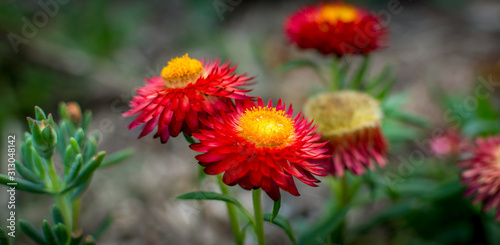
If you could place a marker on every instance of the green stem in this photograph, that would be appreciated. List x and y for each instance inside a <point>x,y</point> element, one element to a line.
<point>76,212</point>
<point>61,200</point>
<point>344,201</point>
<point>259,220</point>
<point>335,84</point>
<point>233,218</point>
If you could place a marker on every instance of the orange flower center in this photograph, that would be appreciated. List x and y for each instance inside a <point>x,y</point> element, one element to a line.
<point>335,13</point>
<point>181,71</point>
<point>267,127</point>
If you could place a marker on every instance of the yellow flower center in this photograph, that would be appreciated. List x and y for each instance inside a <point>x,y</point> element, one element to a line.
<point>181,71</point>
<point>267,127</point>
<point>343,112</point>
<point>334,13</point>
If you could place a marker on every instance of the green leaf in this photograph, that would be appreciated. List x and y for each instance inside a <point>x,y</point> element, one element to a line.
<point>32,232</point>
<point>408,118</point>
<point>49,234</point>
<point>358,79</point>
<point>57,215</point>
<point>74,145</point>
<point>4,239</point>
<point>276,209</point>
<point>103,227</point>
<point>61,232</point>
<point>27,158</point>
<point>87,119</point>
<point>69,159</point>
<point>40,115</point>
<point>188,138</point>
<point>324,227</point>
<point>300,63</point>
<point>86,172</point>
<point>281,222</point>
<point>379,80</point>
<point>204,195</point>
<point>75,169</point>
<point>24,185</point>
<point>27,174</point>
<point>79,191</point>
<point>80,138</point>
<point>38,161</point>
<point>117,157</point>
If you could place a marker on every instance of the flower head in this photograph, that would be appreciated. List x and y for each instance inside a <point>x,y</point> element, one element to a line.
<point>335,28</point>
<point>448,144</point>
<point>187,90</point>
<point>481,173</point>
<point>261,146</point>
<point>351,122</point>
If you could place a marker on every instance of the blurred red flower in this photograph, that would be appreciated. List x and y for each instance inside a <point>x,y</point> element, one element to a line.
<point>350,121</point>
<point>447,145</point>
<point>481,173</point>
<point>335,28</point>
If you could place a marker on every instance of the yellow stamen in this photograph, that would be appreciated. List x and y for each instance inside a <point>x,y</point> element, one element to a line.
<point>343,112</point>
<point>181,71</point>
<point>267,127</point>
<point>334,13</point>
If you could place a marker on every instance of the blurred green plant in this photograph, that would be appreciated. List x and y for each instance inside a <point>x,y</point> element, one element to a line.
<point>80,158</point>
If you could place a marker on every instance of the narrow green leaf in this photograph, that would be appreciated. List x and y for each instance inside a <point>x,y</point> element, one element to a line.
<point>87,119</point>
<point>117,157</point>
<point>358,79</point>
<point>188,138</point>
<point>49,234</point>
<point>38,161</point>
<point>32,232</point>
<point>74,145</point>
<point>276,209</point>
<point>27,158</point>
<point>69,159</point>
<point>103,227</point>
<point>75,169</point>
<point>27,174</point>
<point>300,63</point>
<point>4,239</point>
<point>80,190</point>
<point>80,138</point>
<point>23,185</point>
<point>386,88</point>
<point>204,195</point>
<point>61,232</point>
<point>63,112</point>
<point>57,215</point>
<point>90,149</point>
<point>408,118</point>
<point>324,227</point>
<point>382,76</point>
<point>281,222</point>
<point>86,172</point>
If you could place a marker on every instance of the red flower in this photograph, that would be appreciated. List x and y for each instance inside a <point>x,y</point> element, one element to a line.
<point>260,146</point>
<point>448,144</point>
<point>335,28</point>
<point>187,91</point>
<point>481,173</point>
<point>351,122</point>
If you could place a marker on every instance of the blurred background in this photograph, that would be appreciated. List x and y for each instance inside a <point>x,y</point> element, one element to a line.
<point>96,52</point>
